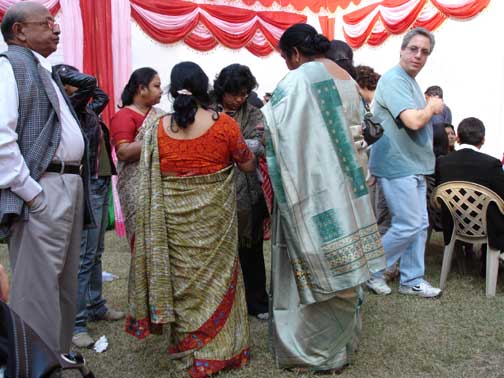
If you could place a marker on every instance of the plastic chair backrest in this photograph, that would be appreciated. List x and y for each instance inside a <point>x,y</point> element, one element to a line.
<point>468,204</point>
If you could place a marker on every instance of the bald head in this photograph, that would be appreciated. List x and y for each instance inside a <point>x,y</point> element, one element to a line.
<point>18,12</point>
<point>30,24</point>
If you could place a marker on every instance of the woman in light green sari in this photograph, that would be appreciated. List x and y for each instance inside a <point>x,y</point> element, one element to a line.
<point>325,241</point>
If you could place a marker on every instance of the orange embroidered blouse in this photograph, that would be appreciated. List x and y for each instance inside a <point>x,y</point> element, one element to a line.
<point>221,145</point>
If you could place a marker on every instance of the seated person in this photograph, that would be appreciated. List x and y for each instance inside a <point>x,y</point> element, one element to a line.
<point>452,135</point>
<point>441,148</point>
<point>469,164</point>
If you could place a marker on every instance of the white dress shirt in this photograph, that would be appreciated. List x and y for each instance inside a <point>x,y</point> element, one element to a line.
<point>469,146</point>
<point>14,173</point>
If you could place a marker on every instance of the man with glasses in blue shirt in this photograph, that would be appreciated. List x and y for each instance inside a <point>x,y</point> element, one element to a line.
<point>401,159</point>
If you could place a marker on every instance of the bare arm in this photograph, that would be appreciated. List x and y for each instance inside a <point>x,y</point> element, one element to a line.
<point>416,119</point>
<point>129,152</point>
<point>248,166</point>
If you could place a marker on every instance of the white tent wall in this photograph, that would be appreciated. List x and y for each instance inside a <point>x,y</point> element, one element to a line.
<point>467,62</point>
<point>148,52</point>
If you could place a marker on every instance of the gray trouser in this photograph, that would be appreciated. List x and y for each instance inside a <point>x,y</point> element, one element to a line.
<point>44,254</point>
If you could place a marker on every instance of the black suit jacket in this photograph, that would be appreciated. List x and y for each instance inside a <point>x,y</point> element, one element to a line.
<point>473,166</point>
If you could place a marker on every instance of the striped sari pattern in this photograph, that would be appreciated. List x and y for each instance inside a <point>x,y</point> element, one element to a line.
<point>188,280</point>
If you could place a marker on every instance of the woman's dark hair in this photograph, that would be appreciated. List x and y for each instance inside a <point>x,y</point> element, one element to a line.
<point>139,78</point>
<point>367,78</point>
<point>440,141</point>
<point>305,38</point>
<point>449,125</point>
<point>189,89</point>
<point>342,54</point>
<point>233,79</point>
<point>471,131</point>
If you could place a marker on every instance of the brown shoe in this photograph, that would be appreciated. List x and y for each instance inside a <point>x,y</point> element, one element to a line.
<point>82,340</point>
<point>112,315</point>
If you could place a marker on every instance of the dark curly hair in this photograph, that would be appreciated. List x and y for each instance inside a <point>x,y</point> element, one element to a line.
<point>305,38</point>
<point>190,77</point>
<point>367,78</point>
<point>233,79</point>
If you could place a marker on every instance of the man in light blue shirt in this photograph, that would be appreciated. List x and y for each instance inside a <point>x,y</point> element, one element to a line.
<point>401,159</point>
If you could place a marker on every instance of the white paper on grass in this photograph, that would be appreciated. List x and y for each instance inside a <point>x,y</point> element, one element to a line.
<point>101,345</point>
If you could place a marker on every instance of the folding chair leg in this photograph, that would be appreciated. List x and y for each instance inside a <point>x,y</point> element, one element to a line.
<point>492,268</point>
<point>447,259</point>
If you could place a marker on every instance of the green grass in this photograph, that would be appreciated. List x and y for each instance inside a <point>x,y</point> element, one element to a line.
<point>459,335</point>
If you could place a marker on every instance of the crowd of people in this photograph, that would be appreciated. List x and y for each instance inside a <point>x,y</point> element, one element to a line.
<point>202,186</point>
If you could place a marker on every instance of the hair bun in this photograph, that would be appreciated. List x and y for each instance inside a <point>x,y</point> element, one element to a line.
<point>320,43</point>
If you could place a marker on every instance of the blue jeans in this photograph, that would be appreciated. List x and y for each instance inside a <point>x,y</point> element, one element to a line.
<point>90,302</point>
<point>406,199</point>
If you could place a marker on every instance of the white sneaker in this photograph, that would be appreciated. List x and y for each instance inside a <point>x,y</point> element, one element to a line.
<point>378,286</point>
<point>423,289</point>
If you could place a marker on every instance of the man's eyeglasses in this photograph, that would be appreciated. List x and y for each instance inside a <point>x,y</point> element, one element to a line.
<point>414,50</point>
<point>51,24</point>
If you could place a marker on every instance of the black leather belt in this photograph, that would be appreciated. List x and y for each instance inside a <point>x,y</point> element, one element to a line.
<point>62,168</point>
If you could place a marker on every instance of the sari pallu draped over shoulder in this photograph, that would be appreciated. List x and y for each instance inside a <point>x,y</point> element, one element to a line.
<point>187,276</point>
<point>127,180</point>
<point>325,241</point>
<point>320,189</point>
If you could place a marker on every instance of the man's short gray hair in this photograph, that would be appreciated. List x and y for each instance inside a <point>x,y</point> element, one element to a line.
<point>418,31</point>
<point>18,12</point>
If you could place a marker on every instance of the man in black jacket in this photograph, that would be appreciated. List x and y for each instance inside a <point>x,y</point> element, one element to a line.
<point>89,101</point>
<point>469,164</point>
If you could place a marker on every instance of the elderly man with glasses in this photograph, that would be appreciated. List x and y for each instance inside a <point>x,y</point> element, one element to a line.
<point>44,176</point>
<point>401,159</point>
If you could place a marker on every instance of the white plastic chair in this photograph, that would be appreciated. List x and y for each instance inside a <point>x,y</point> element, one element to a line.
<point>468,205</point>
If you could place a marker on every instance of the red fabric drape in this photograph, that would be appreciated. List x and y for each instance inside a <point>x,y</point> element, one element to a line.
<point>200,43</point>
<point>431,24</point>
<point>399,27</point>
<point>171,7</point>
<point>53,11</point>
<point>359,30</point>
<point>468,11</point>
<point>97,26</point>
<point>203,26</point>
<point>314,5</point>
<point>327,26</point>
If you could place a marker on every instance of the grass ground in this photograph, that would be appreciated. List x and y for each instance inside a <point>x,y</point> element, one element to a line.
<point>459,335</point>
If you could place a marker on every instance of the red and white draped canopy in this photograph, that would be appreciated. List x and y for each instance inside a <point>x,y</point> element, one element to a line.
<point>203,26</point>
<point>314,5</point>
<point>373,23</point>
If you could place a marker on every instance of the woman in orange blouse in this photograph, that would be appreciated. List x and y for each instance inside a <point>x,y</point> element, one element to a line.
<point>187,272</point>
<point>138,98</point>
